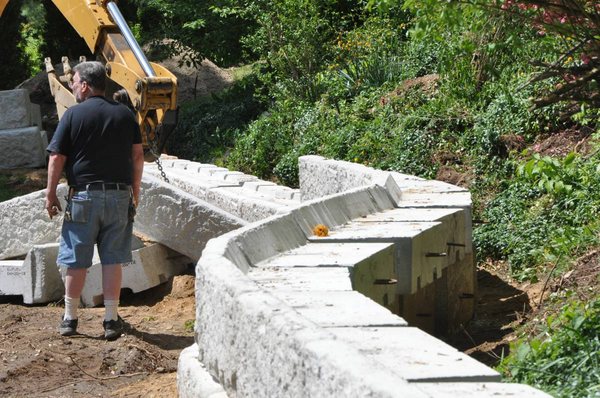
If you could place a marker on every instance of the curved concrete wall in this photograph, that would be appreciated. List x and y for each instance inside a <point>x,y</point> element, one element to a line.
<point>268,323</point>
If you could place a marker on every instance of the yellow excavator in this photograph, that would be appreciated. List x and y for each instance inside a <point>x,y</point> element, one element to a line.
<point>152,88</point>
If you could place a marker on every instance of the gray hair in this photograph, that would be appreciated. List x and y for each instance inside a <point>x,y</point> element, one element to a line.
<point>93,73</point>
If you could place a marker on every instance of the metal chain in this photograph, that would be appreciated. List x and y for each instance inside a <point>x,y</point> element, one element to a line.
<point>154,151</point>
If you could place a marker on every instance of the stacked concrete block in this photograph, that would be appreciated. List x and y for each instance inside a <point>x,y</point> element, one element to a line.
<point>240,194</point>
<point>179,220</point>
<point>321,177</point>
<point>240,328</point>
<point>419,248</point>
<point>21,138</point>
<point>36,278</point>
<point>367,268</point>
<point>26,223</point>
<point>150,267</point>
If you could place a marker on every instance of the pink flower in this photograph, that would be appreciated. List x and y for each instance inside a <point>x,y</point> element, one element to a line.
<point>585,58</point>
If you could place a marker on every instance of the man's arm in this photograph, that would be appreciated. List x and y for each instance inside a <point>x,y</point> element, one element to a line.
<point>137,156</point>
<point>56,165</point>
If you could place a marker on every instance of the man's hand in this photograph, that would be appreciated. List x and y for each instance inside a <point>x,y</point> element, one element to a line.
<point>52,204</point>
<point>56,163</point>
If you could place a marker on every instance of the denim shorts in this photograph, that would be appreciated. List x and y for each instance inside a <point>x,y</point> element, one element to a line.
<point>96,217</point>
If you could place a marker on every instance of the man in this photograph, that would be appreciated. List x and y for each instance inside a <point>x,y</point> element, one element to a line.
<point>98,143</point>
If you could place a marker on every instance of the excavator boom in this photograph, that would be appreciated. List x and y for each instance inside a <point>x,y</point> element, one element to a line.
<point>152,89</point>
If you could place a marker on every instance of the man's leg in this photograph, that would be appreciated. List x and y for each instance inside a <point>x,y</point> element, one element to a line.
<point>111,288</point>
<point>74,282</point>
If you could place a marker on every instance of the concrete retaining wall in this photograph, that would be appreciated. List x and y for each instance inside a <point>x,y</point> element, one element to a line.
<point>278,316</point>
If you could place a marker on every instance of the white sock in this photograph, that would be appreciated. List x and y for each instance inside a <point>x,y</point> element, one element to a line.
<point>110,307</point>
<point>71,306</point>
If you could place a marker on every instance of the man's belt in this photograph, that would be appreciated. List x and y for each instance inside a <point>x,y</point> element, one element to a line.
<point>102,186</point>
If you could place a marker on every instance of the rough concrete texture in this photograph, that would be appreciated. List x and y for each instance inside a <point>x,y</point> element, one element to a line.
<point>16,109</point>
<point>22,147</point>
<point>242,195</point>
<point>21,139</point>
<point>367,268</point>
<point>193,380</point>
<point>418,246</point>
<point>477,390</point>
<point>29,223</point>
<point>150,267</point>
<point>240,328</point>
<point>415,355</point>
<point>321,177</point>
<point>36,278</point>
<point>179,220</point>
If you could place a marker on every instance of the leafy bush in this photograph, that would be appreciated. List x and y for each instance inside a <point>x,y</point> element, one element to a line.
<point>207,127</point>
<point>548,213</point>
<point>564,358</point>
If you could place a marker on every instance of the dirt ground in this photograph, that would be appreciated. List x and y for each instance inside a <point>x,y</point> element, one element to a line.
<point>35,361</point>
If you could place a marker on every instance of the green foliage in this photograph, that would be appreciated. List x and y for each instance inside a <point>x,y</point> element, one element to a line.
<point>13,68</point>
<point>207,126</point>
<point>548,213</point>
<point>564,358</point>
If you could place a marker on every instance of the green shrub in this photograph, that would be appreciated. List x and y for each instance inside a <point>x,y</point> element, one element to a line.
<point>564,358</point>
<point>207,126</point>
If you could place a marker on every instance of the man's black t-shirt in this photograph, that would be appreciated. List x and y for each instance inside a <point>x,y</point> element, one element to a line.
<point>96,136</point>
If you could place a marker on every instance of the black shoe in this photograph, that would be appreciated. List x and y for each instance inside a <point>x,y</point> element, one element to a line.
<point>113,329</point>
<point>68,327</point>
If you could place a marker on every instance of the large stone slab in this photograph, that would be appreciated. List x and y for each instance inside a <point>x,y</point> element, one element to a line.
<point>240,328</point>
<point>193,380</point>
<point>15,110</point>
<point>22,147</point>
<point>480,390</point>
<point>25,223</point>
<point>339,309</point>
<point>369,268</point>
<point>416,356</point>
<point>420,248</point>
<point>179,220</point>
<point>321,177</point>
<point>36,278</point>
<point>150,267</point>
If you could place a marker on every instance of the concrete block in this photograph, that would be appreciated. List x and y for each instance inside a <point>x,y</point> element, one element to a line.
<point>416,356</point>
<point>370,268</point>
<point>330,254</point>
<point>249,205</point>
<point>150,267</point>
<point>453,222</point>
<point>16,110</point>
<point>480,390</point>
<point>179,220</point>
<point>29,223</point>
<point>321,177</point>
<point>255,185</point>
<point>226,194</point>
<point>22,147</point>
<point>339,309</point>
<point>339,209</point>
<point>193,380</point>
<point>418,245</point>
<point>268,238</point>
<point>241,328</point>
<point>303,279</point>
<point>36,278</point>
<point>36,117</point>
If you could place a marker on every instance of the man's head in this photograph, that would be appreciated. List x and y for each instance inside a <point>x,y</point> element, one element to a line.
<point>89,79</point>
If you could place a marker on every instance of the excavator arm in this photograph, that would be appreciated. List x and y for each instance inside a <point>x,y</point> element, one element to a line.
<point>151,87</point>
